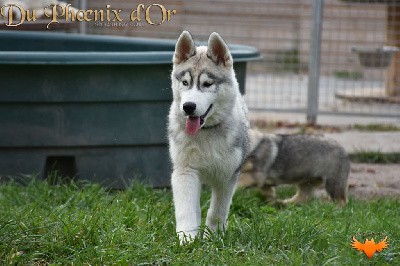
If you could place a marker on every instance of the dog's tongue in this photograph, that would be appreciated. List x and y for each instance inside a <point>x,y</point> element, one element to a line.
<point>192,125</point>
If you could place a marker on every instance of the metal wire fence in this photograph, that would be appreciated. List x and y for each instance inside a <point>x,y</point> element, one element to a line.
<point>359,66</point>
<point>359,59</point>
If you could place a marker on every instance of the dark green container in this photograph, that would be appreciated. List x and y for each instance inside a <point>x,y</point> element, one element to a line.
<point>91,107</point>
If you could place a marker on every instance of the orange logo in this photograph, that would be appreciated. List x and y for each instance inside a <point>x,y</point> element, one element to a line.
<point>369,247</point>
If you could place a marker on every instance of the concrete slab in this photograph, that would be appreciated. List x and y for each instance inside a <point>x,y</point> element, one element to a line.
<point>354,141</point>
<point>331,120</point>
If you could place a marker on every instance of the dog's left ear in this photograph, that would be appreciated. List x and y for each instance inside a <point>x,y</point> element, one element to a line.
<point>218,50</point>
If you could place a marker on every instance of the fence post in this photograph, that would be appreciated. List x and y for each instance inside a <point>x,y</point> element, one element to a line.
<point>314,62</point>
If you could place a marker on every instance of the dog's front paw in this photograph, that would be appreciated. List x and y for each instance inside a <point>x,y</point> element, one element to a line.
<point>215,226</point>
<point>186,237</point>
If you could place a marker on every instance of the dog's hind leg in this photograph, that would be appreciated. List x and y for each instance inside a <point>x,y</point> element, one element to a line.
<point>221,198</point>
<point>268,192</point>
<point>305,191</point>
<point>186,188</point>
<point>336,184</point>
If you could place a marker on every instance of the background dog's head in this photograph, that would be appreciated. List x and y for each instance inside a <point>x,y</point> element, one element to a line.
<point>203,81</point>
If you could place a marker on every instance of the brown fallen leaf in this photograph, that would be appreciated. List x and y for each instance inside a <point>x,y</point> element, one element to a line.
<point>371,171</point>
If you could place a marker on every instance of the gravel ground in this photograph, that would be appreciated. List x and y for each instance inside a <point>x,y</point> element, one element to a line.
<point>368,181</point>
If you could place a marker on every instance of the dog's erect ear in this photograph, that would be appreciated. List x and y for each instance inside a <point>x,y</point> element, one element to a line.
<point>218,51</point>
<point>184,48</point>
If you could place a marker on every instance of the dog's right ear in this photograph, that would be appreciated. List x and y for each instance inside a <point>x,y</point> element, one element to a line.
<point>184,48</point>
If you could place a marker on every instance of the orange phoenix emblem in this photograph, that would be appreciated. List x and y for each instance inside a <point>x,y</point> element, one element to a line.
<point>369,247</point>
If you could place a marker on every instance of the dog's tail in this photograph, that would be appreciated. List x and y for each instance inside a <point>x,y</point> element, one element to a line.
<point>255,137</point>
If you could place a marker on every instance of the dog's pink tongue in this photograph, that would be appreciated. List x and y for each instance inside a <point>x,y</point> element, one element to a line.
<point>192,125</point>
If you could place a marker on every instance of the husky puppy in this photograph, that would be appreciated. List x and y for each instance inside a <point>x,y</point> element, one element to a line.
<point>207,131</point>
<point>304,160</point>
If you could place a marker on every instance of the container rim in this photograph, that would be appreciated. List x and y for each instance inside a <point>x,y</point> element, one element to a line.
<point>162,55</point>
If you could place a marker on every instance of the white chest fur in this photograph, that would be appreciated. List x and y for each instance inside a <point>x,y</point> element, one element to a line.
<point>213,156</point>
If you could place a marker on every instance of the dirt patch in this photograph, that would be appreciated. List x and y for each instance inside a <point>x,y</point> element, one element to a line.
<point>368,181</point>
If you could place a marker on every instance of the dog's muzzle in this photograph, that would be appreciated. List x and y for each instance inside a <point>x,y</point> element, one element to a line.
<point>204,115</point>
<point>194,123</point>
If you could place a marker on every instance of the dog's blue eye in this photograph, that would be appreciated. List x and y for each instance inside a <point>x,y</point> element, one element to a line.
<point>185,83</point>
<point>207,84</point>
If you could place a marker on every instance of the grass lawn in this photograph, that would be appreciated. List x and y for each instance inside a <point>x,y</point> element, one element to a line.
<point>85,224</point>
<point>377,157</point>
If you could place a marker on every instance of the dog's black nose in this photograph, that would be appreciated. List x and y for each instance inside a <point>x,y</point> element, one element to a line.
<point>189,108</point>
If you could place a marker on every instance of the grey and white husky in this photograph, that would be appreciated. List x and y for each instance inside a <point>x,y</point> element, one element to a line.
<point>304,160</point>
<point>207,131</point>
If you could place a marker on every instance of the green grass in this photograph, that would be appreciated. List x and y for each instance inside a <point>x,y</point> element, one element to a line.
<point>345,74</point>
<point>376,127</point>
<point>375,157</point>
<point>86,224</point>
<point>289,61</point>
